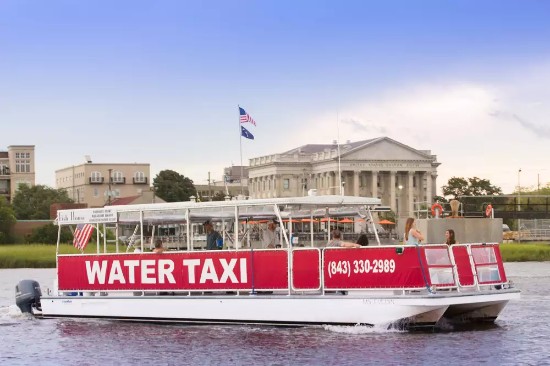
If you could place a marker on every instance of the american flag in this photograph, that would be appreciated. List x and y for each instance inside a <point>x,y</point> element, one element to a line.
<point>245,117</point>
<point>82,235</point>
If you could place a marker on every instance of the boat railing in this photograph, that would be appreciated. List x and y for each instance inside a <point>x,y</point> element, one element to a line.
<point>463,267</point>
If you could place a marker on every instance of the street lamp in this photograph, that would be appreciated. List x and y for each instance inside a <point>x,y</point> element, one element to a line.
<point>400,187</point>
<point>519,207</point>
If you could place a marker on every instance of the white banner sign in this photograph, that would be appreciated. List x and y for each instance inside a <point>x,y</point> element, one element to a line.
<point>86,216</point>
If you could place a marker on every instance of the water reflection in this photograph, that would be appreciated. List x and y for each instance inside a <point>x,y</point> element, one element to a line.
<point>518,337</point>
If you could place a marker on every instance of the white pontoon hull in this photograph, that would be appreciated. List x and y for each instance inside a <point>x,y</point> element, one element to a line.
<point>412,310</point>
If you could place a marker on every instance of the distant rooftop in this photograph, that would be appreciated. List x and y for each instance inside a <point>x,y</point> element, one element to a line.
<point>316,148</point>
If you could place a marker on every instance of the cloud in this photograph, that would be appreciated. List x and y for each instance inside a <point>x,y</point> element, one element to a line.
<point>464,123</point>
<point>359,126</point>
<point>537,130</point>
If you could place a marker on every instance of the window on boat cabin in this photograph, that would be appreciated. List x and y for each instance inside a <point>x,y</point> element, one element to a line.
<point>286,183</point>
<point>118,177</point>
<point>95,177</point>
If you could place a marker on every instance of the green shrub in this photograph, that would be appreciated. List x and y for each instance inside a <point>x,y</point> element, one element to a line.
<point>47,234</point>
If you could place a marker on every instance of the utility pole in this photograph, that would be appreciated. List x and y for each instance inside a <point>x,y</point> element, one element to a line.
<point>209,190</point>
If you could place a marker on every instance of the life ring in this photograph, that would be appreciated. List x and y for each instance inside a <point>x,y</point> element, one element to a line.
<point>438,207</point>
<point>488,210</point>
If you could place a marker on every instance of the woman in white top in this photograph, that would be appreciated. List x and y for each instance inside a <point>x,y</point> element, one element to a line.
<point>412,235</point>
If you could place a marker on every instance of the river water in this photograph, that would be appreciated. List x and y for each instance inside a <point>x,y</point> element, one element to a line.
<point>520,337</point>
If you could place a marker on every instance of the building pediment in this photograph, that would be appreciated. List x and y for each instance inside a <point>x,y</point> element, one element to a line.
<point>384,149</point>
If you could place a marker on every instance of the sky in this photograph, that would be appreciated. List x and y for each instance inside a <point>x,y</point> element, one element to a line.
<point>159,82</point>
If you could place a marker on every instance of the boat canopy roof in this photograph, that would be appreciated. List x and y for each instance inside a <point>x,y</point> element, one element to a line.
<point>292,207</point>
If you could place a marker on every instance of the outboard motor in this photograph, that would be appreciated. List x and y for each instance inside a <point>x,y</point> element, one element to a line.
<point>27,295</point>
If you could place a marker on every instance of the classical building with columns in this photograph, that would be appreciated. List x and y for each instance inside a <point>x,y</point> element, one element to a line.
<point>399,175</point>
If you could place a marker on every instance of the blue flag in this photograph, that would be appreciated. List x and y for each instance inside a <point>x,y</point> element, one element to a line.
<point>246,133</point>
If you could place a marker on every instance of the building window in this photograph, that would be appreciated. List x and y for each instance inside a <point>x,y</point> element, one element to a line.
<point>139,177</point>
<point>20,183</point>
<point>96,192</point>
<point>95,177</point>
<point>378,181</point>
<point>414,181</point>
<point>118,177</point>
<point>286,184</point>
<point>22,163</point>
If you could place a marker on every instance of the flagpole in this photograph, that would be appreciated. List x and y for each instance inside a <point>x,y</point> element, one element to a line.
<point>338,149</point>
<point>241,146</point>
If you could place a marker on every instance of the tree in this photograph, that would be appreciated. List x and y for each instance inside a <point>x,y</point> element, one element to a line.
<point>470,187</point>
<point>220,196</point>
<point>47,234</point>
<point>173,187</point>
<point>33,203</point>
<point>7,219</point>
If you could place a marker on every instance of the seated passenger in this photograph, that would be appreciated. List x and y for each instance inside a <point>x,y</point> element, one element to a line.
<point>338,242</point>
<point>137,246</point>
<point>450,237</point>
<point>363,240</point>
<point>158,246</point>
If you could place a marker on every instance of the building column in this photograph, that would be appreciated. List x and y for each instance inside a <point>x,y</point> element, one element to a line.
<point>434,183</point>
<point>356,174</point>
<point>392,191</point>
<point>375,183</point>
<point>429,195</point>
<point>410,194</point>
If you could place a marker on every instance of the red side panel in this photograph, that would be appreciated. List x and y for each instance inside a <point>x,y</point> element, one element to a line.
<point>208,270</point>
<point>463,265</point>
<point>305,269</point>
<point>375,268</point>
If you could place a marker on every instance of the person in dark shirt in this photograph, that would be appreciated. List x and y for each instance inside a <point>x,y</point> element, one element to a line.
<point>211,236</point>
<point>363,240</point>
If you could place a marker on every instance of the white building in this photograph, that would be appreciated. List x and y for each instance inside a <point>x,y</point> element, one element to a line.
<point>396,173</point>
<point>99,184</point>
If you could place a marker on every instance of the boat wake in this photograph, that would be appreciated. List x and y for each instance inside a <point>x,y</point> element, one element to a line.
<point>10,315</point>
<point>362,329</point>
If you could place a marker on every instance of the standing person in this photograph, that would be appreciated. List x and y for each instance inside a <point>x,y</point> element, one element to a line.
<point>338,242</point>
<point>450,237</point>
<point>211,236</point>
<point>412,235</point>
<point>269,235</point>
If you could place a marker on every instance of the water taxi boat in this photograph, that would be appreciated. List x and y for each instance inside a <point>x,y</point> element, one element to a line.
<point>412,287</point>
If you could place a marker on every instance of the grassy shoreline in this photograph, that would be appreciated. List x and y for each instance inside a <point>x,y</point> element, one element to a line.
<point>43,255</point>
